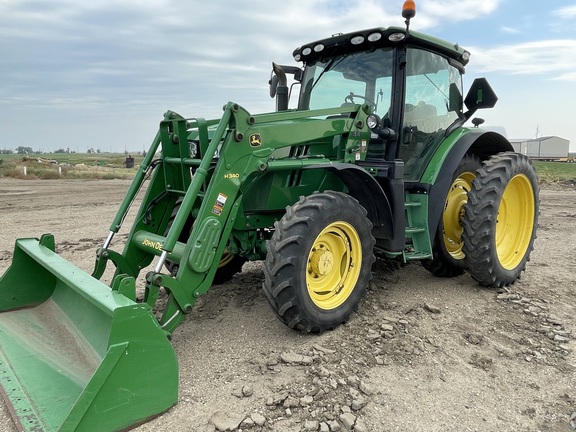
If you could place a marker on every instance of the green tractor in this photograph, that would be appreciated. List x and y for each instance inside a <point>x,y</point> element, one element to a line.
<point>374,162</point>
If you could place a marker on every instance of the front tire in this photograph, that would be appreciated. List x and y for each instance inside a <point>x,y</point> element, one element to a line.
<point>501,218</point>
<point>319,262</point>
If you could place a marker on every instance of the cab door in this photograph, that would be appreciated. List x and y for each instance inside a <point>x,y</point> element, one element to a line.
<point>432,101</point>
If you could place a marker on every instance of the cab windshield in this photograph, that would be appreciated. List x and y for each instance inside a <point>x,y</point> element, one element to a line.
<point>356,78</point>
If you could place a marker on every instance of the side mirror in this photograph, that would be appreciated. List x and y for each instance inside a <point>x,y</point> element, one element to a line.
<point>273,84</point>
<point>279,84</point>
<point>279,87</point>
<point>480,95</point>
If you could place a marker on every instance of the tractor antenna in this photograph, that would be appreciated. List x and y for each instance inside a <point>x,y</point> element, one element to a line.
<point>408,12</point>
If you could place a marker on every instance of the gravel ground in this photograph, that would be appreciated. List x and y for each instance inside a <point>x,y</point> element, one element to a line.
<point>421,353</point>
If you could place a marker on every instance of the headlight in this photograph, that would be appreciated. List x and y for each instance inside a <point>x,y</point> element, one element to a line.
<point>373,121</point>
<point>396,37</point>
<point>373,37</point>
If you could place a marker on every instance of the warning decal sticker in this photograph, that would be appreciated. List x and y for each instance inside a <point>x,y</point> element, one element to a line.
<point>219,204</point>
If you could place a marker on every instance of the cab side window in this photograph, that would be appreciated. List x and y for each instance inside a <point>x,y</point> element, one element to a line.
<point>433,88</point>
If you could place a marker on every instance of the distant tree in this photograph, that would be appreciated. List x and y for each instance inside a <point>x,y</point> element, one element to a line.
<point>60,150</point>
<point>24,150</point>
<point>91,150</point>
<point>98,151</point>
<point>6,151</point>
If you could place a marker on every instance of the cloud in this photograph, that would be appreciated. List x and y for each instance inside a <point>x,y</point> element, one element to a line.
<point>556,58</point>
<point>84,60</point>
<point>463,9</point>
<point>158,50</point>
<point>568,76</point>
<point>442,11</point>
<point>510,30</point>
<point>566,12</point>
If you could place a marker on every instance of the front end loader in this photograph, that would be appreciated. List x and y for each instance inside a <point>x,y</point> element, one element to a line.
<point>374,162</point>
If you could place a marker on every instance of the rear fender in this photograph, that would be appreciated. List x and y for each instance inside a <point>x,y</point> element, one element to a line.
<point>438,176</point>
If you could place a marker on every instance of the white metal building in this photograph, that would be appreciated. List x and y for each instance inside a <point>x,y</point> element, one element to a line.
<point>544,148</point>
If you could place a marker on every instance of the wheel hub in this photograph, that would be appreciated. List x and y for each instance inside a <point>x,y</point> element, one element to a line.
<point>515,221</point>
<point>454,212</point>
<point>321,262</point>
<point>334,264</point>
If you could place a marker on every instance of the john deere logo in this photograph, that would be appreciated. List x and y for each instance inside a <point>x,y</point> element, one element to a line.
<point>255,140</point>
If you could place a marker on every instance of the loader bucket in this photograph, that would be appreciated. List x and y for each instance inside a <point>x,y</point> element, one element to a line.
<point>76,355</point>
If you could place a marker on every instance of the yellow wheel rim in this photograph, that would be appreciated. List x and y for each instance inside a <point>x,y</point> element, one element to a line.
<point>227,258</point>
<point>453,213</point>
<point>333,266</point>
<point>515,222</point>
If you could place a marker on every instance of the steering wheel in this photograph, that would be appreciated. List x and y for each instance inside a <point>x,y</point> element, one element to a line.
<point>351,96</point>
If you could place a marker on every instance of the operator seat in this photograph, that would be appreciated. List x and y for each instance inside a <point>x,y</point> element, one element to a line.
<point>422,116</point>
<point>422,121</point>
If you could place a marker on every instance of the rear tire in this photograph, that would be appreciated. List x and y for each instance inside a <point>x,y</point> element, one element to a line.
<point>229,266</point>
<point>448,258</point>
<point>501,218</point>
<point>319,262</point>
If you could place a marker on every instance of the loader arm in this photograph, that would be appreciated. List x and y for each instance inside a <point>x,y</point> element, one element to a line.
<point>246,145</point>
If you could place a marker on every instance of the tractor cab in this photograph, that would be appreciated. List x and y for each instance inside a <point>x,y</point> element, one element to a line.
<point>411,83</point>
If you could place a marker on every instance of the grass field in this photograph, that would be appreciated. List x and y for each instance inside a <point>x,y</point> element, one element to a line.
<point>552,172</point>
<point>111,166</point>
<point>68,165</point>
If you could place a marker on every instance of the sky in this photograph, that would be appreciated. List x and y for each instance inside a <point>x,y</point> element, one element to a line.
<point>100,74</point>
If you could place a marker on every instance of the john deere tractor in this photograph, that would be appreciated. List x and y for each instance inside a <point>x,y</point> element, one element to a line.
<point>373,161</point>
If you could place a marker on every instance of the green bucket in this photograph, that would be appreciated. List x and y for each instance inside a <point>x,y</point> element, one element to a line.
<point>76,355</point>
